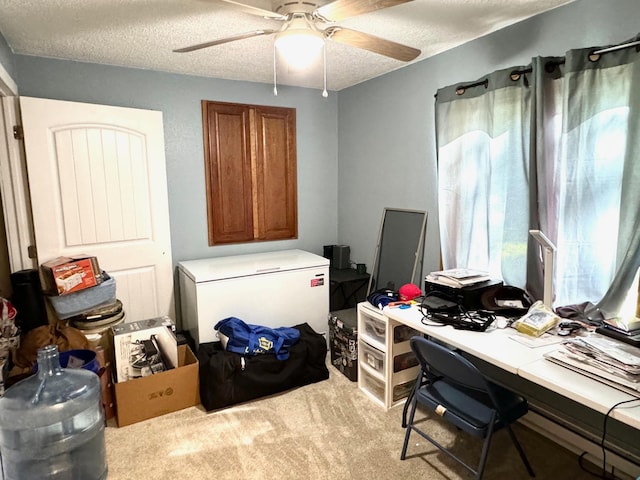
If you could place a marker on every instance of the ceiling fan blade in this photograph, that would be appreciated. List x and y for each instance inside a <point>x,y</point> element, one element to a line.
<point>341,9</point>
<point>241,36</point>
<point>243,7</point>
<point>372,43</point>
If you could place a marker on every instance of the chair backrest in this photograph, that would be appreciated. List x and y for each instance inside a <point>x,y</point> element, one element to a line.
<point>438,360</point>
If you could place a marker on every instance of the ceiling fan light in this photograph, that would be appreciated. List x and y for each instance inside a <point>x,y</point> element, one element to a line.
<point>299,47</point>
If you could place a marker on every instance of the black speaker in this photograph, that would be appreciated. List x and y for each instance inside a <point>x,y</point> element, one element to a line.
<point>341,257</point>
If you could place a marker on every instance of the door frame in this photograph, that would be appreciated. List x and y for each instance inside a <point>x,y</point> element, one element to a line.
<point>14,188</point>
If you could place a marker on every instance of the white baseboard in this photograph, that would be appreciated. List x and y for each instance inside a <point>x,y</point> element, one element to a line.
<point>578,444</point>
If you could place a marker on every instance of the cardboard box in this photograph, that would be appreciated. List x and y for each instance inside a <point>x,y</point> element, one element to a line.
<point>128,347</point>
<point>159,394</point>
<point>343,342</point>
<point>65,275</point>
<point>105,373</point>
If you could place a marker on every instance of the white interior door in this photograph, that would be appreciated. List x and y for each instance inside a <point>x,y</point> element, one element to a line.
<point>98,187</point>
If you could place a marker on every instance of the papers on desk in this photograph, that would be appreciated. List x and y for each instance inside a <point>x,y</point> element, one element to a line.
<point>607,360</point>
<point>458,277</point>
<point>535,342</point>
<point>611,355</point>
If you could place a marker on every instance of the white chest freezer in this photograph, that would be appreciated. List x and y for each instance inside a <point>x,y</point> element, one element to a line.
<point>274,289</point>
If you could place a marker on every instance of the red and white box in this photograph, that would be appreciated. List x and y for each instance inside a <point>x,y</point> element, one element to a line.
<point>64,275</point>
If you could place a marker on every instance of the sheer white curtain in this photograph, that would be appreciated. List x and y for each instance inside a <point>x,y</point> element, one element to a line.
<point>483,169</point>
<point>559,154</point>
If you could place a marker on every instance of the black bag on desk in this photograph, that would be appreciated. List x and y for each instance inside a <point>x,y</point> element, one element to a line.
<point>227,378</point>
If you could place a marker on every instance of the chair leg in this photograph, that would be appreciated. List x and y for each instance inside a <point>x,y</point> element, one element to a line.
<point>408,403</point>
<point>523,456</point>
<point>485,450</point>
<point>409,427</point>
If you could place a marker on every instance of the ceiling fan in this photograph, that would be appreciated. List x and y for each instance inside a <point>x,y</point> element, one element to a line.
<point>307,23</point>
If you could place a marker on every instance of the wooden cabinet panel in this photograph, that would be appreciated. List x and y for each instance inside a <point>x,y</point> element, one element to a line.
<point>251,173</point>
<point>276,173</point>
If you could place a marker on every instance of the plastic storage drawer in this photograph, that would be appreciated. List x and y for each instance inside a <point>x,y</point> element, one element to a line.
<point>403,361</point>
<point>374,329</point>
<point>372,357</point>
<point>403,333</point>
<point>374,386</point>
<point>402,390</point>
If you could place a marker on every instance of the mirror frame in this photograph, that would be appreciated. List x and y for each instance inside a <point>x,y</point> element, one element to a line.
<point>418,254</point>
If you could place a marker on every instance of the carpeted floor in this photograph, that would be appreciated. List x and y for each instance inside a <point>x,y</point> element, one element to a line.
<point>328,430</point>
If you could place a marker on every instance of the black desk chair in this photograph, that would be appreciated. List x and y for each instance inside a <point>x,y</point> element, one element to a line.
<point>452,387</point>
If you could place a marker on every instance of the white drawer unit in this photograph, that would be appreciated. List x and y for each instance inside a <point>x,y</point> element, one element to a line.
<point>387,367</point>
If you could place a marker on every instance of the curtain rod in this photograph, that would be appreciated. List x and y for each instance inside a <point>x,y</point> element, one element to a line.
<point>593,56</point>
<point>460,89</point>
<point>617,47</point>
<point>549,66</point>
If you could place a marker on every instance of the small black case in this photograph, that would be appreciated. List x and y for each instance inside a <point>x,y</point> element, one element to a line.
<point>630,339</point>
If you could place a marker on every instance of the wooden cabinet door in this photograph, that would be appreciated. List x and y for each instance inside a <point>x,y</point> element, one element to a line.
<point>276,174</point>
<point>251,172</point>
<point>227,150</point>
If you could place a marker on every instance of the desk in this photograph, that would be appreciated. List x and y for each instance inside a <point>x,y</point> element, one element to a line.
<point>585,397</point>
<point>493,346</point>
<point>582,389</point>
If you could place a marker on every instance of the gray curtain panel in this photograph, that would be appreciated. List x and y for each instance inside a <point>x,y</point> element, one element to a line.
<point>483,133</point>
<point>548,146</point>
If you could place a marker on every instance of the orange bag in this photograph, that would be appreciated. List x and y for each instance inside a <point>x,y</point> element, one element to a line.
<point>64,336</point>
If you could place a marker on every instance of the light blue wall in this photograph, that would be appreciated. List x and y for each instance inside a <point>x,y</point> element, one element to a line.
<point>386,139</point>
<point>382,131</point>
<point>178,97</point>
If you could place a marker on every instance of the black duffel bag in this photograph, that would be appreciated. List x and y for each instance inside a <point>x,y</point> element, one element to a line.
<point>227,378</point>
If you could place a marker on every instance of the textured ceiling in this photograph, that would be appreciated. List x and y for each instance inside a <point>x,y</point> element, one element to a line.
<point>144,33</point>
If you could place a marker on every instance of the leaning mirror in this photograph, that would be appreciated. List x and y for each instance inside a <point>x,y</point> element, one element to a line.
<point>399,251</point>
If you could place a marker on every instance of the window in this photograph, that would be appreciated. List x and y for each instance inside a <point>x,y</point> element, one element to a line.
<point>549,147</point>
<point>251,173</point>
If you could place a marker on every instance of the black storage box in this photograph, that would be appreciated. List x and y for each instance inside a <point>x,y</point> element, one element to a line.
<point>469,297</point>
<point>343,341</point>
<point>227,378</point>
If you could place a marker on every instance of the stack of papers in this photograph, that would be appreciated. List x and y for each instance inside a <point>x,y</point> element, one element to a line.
<point>458,277</point>
<point>617,363</point>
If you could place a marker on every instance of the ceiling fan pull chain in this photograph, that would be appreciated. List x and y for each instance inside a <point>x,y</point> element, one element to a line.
<point>324,55</point>
<point>275,83</point>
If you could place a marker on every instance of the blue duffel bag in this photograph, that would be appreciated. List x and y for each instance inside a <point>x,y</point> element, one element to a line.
<point>247,339</point>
